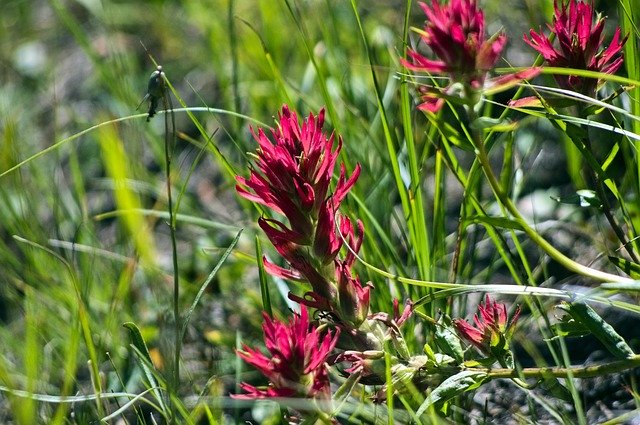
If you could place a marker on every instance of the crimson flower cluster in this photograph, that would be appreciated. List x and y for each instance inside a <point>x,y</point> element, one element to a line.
<point>293,174</point>
<point>492,331</point>
<point>296,366</point>
<point>455,33</point>
<point>580,42</point>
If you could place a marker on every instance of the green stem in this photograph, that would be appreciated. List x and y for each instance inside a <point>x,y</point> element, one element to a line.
<point>580,372</point>
<point>607,211</point>
<point>168,144</point>
<point>597,176</point>
<point>558,256</point>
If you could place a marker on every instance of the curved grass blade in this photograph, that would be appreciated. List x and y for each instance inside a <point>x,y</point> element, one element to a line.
<point>264,288</point>
<point>140,397</point>
<point>206,283</point>
<point>71,138</point>
<point>56,399</point>
<point>144,359</point>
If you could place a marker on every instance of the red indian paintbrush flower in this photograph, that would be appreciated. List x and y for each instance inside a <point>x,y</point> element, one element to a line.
<point>456,34</point>
<point>580,43</point>
<point>492,331</point>
<point>293,173</point>
<point>296,365</point>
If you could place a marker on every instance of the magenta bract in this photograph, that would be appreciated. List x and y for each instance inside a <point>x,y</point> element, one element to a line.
<point>455,33</point>
<point>292,176</point>
<point>294,169</point>
<point>296,364</point>
<point>580,41</point>
<point>492,330</point>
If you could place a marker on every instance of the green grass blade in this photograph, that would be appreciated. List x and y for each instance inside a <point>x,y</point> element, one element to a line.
<point>207,281</point>
<point>144,359</point>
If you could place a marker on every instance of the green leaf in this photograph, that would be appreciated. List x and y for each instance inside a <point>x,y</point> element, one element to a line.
<point>264,282</point>
<point>465,380</point>
<point>341,395</point>
<point>206,283</point>
<point>550,100</point>
<point>568,327</point>
<point>453,135</point>
<point>447,340</point>
<point>555,387</point>
<point>605,333</point>
<point>575,132</point>
<point>429,352</point>
<point>622,286</point>
<point>494,124</point>
<point>137,340</point>
<point>144,360</point>
<point>630,268</point>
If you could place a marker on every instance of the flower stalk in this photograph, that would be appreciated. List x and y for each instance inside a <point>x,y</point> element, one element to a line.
<point>579,372</point>
<point>580,42</point>
<point>156,92</point>
<point>553,252</point>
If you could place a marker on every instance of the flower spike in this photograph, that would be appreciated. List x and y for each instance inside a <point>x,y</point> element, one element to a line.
<point>455,33</point>
<point>580,45</point>
<point>296,365</point>
<point>492,331</point>
<point>292,176</point>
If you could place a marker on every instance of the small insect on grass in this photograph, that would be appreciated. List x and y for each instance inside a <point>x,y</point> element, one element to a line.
<point>155,91</point>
